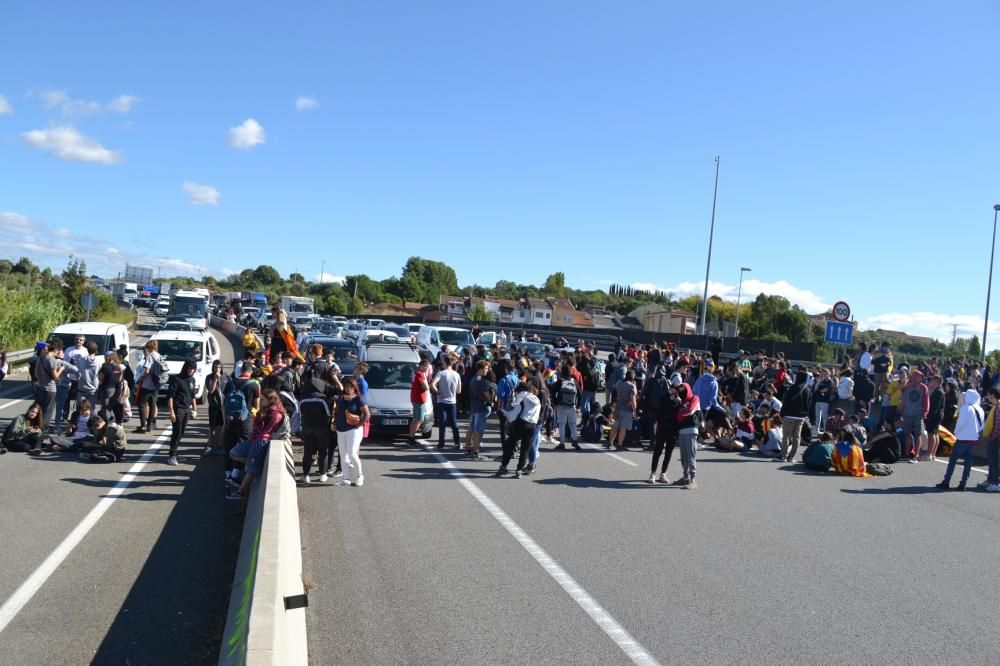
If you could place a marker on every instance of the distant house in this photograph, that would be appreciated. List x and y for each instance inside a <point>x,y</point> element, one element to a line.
<point>452,308</point>
<point>490,304</point>
<point>582,319</point>
<point>604,321</point>
<point>563,312</point>
<point>510,311</point>
<point>536,311</point>
<point>678,322</point>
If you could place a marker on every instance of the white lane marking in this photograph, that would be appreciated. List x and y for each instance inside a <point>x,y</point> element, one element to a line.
<point>15,401</point>
<point>616,632</point>
<point>608,453</point>
<point>978,469</point>
<point>37,579</point>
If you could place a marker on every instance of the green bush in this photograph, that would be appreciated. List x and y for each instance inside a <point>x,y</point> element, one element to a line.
<point>28,316</point>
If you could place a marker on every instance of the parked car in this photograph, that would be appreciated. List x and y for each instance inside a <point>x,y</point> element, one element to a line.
<point>345,352</point>
<point>413,328</point>
<point>432,338</point>
<point>372,335</point>
<point>108,337</point>
<point>391,368</point>
<point>401,331</point>
<point>178,346</point>
<point>162,310</point>
<point>490,337</point>
<point>352,330</point>
<point>536,350</point>
<point>177,322</point>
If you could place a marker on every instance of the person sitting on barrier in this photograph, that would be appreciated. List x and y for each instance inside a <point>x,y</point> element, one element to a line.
<point>25,432</point>
<point>253,451</point>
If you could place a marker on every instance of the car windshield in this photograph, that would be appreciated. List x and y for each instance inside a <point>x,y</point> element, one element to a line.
<point>69,340</point>
<point>456,338</point>
<point>401,331</point>
<point>340,352</point>
<point>177,326</point>
<point>534,349</point>
<point>189,306</point>
<point>390,374</point>
<point>179,350</point>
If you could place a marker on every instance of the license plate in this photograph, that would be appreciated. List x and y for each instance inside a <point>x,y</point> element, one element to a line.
<point>395,422</point>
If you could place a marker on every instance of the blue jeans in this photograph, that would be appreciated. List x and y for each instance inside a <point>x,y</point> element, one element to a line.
<point>62,394</point>
<point>960,450</point>
<point>447,414</point>
<point>585,399</point>
<point>993,459</point>
<point>535,441</point>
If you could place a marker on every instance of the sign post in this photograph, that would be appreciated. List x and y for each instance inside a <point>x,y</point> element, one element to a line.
<point>89,302</point>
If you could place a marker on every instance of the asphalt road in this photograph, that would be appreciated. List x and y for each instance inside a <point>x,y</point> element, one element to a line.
<point>765,563</point>
<point>149,583</point>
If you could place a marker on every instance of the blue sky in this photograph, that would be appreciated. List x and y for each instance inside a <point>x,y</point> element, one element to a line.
<point>859,144</point>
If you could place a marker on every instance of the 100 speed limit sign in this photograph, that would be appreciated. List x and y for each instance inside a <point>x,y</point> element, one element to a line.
<point>841,311</point>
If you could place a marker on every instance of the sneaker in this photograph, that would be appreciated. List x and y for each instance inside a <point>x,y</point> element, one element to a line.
<point>982,486</point>
<point>194,413</point>
<point>140,430</point>
<point>691,486</point>
<point>577,446</point>
<point>960,487</point>
<point>478,457</point>
<point>323,478</point>
<point>500,472</point>
<point>606,445</point>
<point>231,484</point>
<point>912,461</point>
<point>517,474</point>
<point>942,486</point>
<point>652,479</point>
<point>306,480</point>
<point>681,482</point>
<point>234,496</point>
<point>440,447</point>
<point>662,478</point>
<point>360,482</point>
<point>560,447</point>
<point>994,488</point>
<point>528,470</point>
<point>172,461</point>
<point>343,483</point>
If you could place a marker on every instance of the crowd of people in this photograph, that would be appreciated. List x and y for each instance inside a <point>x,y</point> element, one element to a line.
<point>859,419</point>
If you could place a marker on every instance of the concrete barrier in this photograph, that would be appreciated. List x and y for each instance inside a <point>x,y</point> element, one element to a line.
<point>266,622</point>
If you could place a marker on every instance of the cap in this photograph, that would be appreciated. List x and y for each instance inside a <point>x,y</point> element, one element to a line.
<point>39,346</point>
<point>709,363</point>
<point>109,353</point>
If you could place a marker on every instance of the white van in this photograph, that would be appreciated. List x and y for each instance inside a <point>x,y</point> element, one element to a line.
<point>432,338</point>
<point>109,337</point>
<point>391,367</point>
<point>178,346</point>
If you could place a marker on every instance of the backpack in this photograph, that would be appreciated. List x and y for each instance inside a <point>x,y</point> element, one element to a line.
<point>598,379</point>
<point>283,430</point>
<point>313,380</point>
<point>567,393</point>
<point>659,388</point>
<point>159,373</point>
<point>488,395</point>
<point>878,469</point>
<point>235,405</point>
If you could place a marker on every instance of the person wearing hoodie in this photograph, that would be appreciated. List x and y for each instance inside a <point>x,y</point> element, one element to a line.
<point>666,430</point>
<point>706,387</point>
<point>991,433</point>
<point>794,412</point>
<point>687,434</point>
<point>970,423</point>
<point>914,404</point>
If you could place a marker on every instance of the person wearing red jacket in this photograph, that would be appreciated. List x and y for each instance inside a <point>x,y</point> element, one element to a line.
<point>688,409</point>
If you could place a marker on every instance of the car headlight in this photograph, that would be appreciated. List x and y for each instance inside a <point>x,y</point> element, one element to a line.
<point>374,411</point>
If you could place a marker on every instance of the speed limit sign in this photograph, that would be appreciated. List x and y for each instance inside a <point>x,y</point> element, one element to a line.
<point>841,311</point>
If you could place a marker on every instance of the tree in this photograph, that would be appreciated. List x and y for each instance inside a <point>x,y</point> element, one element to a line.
<point>6,265</point>
<point>74,281</point>
<point>480,314</point>
<point>974,350</point>
<point>354,306</point>
<point>296,277</point>
<point>25,267</point>
<point>432,279</point>
<point>555,284</point>
<point>266,275</point>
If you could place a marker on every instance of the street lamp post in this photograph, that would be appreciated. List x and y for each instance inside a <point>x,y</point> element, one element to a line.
<point>739,295</point>
<point>708,264</point>
<point>989,284</point>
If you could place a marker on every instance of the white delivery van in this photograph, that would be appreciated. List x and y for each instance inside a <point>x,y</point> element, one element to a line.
<point>109,337</point>
<point>432,338</point>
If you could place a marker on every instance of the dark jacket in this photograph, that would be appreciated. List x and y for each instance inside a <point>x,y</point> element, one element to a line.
<point>797,398</point>
<point>864,387</point>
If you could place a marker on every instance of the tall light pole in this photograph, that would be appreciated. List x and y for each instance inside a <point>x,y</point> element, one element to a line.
<point>739,294</point>
<point>708,264</point>
<point>989,285</point>
<point>322,269</point>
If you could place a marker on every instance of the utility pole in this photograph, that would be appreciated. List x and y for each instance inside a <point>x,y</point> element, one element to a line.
<point>708,264</point>
<point>954,334</point>
<point>322,269</point>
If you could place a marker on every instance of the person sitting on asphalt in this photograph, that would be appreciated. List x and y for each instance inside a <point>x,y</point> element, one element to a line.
<point>818,455</point>
<point>25,432</point>
<point>77,431</point>
<point>847,457</point>
<point>884,445</point>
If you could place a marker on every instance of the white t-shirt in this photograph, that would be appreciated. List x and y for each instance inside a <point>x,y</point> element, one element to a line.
<point>845,389</point>
<point>448,382</point>
<point>865,362</point>
<point>772,443</point>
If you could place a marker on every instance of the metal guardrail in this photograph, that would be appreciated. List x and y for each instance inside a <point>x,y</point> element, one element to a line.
<point>14,358</point>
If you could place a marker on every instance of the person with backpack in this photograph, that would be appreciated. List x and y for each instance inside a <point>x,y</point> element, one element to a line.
<point>314,408</point>
<point>252,452</point>
<point>242,401</point>
<point>315,373</point>
<point>523,418</point>
<point>665,435</point>
<point>505,396</point>
<point>180,399</point>
<point>566,399</point>
<point>482,402</point>
<point>687,417</point>
<point>152,375</point>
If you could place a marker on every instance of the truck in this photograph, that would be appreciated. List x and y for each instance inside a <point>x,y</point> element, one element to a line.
<point>193,306</point>
<point>298,306</point>
<point>125,291</point>
<point>254,299</point>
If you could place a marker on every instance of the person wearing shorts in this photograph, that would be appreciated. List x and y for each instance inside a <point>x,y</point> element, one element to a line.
<point>482,400</point>
<point>626,401</point>
<point>419,399</point>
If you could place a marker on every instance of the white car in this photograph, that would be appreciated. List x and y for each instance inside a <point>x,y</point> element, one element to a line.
<point>433,338</point>
<point>491,337</point>
<point>178,346</point>
<point>377,335</point>
<point>162,310</point>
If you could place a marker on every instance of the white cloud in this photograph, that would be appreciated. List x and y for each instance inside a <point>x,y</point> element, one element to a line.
<point>805,299</point>
<point>62,233</point>
<point>228,271</point>
<point>17,223</point>
<point>5,107</point>
<point>201,195</point>
<point>327,278</point>
<point>305,104</point>
<point>122,103</point>
<point>68,144</point>
<point>70,107</point>
<point>933,325</point>
<point>247,135</point>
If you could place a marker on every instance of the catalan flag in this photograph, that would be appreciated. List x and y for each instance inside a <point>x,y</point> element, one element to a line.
<point>848,458</point>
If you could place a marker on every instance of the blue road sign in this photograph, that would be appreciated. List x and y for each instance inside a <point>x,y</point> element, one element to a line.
<point>839,332</point>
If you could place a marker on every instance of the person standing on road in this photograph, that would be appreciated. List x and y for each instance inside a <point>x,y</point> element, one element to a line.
<point>991,433</point>
<point>180,398</point>
<point>4,366</point>
<point>522,418</point>
<point>505,396</point>
<point>314,409</point>
<point>420,399</point>
<point>935,414</point>
<point>482,401</point>
<point>447,385</point>
<point>350,418</point>
<point>970,423</point>
<point>687,435</point>
<point>794,412</point>
<point>64,392</point>
<point>824,394</point>
<point>666,431</point>
<point>87,366</point>
<point>216,420</point>
<point>46,377</point>
<point>149,368</point>
<point>626,403</point>
<point>566,399</point>
<point>109,392</point>
<point>914,406</point>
